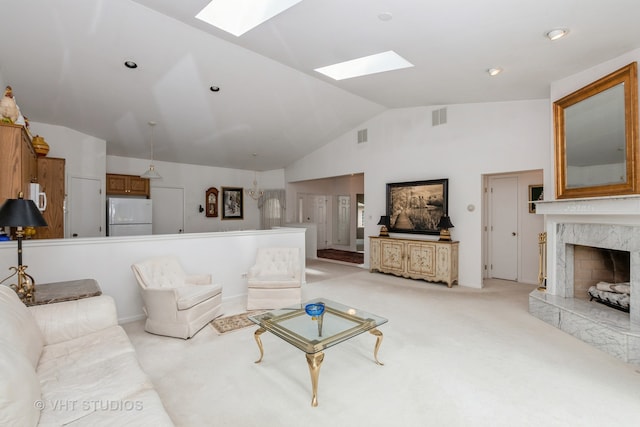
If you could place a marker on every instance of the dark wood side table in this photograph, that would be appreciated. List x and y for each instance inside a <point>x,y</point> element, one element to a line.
<point>49,293</point>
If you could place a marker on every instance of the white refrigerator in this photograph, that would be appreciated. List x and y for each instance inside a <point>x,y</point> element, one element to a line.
<point>128,216</point>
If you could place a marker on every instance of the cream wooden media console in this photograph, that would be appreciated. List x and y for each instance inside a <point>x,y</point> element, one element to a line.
<point>433,261</point>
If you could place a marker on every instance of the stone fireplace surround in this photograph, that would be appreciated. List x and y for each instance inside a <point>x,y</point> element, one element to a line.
<point>610,223</point>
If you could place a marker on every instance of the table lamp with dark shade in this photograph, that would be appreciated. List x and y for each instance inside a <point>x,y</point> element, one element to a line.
<point>384,222</point>
<point>21,213</point>
<point>444,225</point>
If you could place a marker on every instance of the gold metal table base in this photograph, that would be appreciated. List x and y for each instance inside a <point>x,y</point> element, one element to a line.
<point>314,360</point>
<point>379,337</point>
<point>256,335</point>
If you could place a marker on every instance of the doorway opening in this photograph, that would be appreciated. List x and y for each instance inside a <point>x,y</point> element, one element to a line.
<point>332,210</point>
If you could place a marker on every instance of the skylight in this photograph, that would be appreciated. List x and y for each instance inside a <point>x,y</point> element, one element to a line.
<point>239,16</point>
<point>378,63</point>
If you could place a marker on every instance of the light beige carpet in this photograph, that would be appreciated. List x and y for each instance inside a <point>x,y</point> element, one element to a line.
<point>224,325</point>
<point>454,357</point>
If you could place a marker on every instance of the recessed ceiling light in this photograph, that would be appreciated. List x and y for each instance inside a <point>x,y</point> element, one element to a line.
<point>494,71</point>
<point>214,89</point>
<point>130,64</point>
<point>239,16</point>
<point>385,16</point>
<point>557,34</point>
<point>378,63</point>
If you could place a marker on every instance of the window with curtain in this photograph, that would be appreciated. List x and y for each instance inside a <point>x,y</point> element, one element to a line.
<point>272,207</point>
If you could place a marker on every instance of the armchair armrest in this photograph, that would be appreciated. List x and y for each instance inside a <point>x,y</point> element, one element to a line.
<point>63,321</point>
<point>160,303</point>
<point>198,279</point>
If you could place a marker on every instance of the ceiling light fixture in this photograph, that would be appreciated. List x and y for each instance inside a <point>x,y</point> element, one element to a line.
<point>372,64</point>
<point>255,193</point>
<point>214,88</point>
<point>557,34</point>
<point>151,172</point>
<point>130,64</point>
<point>239,16</point>
<point>494,71</point>
<point>385,16</point>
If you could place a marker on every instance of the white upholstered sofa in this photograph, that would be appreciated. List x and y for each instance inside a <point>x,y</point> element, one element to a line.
<point>70,363</point>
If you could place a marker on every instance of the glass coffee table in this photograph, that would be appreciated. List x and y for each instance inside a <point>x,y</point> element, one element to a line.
<point>314,331</point>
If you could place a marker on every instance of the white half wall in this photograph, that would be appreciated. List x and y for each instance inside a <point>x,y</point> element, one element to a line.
<point>226,256</point>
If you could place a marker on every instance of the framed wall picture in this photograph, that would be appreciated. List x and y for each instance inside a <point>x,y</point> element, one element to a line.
<point>535,194</point>
<point>232,203</point>
<point>417,206</point>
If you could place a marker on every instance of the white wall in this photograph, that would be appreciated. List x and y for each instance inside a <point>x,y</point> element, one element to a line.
<point>227,256</point>
<point>563,87</point>
<point>85,156</point>
<point>478,139</point>
<point>195,180</point>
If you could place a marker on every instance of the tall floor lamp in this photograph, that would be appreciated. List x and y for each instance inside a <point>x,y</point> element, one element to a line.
<point>21,213</point>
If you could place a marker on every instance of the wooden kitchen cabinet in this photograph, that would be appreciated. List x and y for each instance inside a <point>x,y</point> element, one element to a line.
<point>127,185</point>
<point>18,162</point>
<point>433,261</point>
<point>51,174</point>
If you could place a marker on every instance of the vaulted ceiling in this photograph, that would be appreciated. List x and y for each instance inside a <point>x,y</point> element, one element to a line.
<point>64,60</point>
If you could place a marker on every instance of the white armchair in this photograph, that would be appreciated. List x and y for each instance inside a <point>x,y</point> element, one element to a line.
<point>176,304</point>
<point>275,281</point>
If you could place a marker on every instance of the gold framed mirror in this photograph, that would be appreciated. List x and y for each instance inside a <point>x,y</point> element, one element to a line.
<point>596,138</point>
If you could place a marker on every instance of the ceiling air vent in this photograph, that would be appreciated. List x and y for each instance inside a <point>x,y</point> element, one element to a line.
<point>362,136</point>
<point>439,117</point>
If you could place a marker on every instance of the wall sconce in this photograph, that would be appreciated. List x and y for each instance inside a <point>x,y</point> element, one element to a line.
<point>444,225</point>
<point>384,222</point>
<point>21,213</point>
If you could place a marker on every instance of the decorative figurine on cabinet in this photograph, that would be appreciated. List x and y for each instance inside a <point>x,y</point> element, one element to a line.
<point>211,202</point>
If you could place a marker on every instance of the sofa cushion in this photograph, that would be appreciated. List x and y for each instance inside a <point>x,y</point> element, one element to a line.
<point>18,328</point>
<point>89,373</point>
<point>66,320</point>
<point>190,295</point>
<point>142,409</point>
<point>19,389</point>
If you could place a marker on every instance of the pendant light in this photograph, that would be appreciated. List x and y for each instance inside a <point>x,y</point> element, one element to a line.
<point>255,193</point>
<point>151,172</point>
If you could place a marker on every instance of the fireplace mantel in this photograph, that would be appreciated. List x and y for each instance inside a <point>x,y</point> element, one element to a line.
<point>615,205</point>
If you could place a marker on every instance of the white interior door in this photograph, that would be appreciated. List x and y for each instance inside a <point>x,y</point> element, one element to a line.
<point>319,204</point>
<point>503,228</point>
<point>168,210</point>
<point>344,220</point>
<point>312,209</point>
<point>85,207</point>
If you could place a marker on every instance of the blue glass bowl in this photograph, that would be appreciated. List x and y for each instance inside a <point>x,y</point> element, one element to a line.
<point>314,309</point>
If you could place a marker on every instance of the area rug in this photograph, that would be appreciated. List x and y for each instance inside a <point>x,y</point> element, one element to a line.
<point>224,325</point>
<point>338,255</point>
